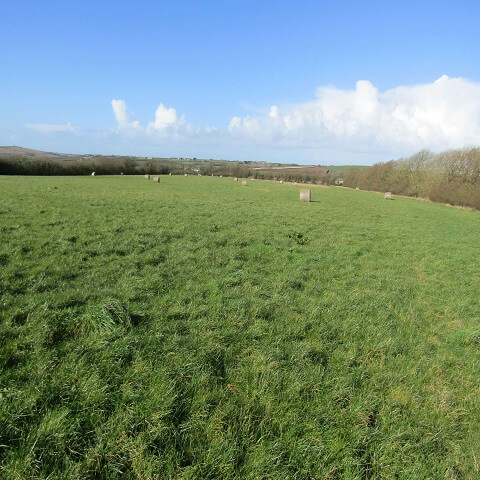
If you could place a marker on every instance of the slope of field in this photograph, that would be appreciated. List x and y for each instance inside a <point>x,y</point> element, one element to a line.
<point>28,152</point>
<point>198,329</point>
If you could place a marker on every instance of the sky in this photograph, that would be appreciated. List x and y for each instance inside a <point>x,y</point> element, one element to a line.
<point>309,82</point>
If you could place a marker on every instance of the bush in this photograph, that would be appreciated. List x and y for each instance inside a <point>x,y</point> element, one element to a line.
<point>450,177</point>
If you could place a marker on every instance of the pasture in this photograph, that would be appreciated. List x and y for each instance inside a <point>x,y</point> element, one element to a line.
<point>198,329</point>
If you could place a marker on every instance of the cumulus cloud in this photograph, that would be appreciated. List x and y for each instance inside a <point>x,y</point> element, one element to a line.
<point>122,116</point>
<point>361,121</point>
<point>166,122</point>
<point>52,127</point>
<point>166,125</point>
<point>166,118</point>
<point>364,120</point>
<point>442,114</point>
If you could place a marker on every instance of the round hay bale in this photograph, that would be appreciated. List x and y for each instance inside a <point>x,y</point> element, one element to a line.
<point>305,195</point>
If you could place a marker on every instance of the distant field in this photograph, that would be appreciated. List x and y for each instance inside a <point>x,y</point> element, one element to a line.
<point>345,168</point>
<point>307,170</point>
<point>198,329</point>
<point>313,170</point>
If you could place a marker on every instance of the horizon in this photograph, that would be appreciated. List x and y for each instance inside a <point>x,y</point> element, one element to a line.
<point>331,84</point>
<point>175,157</point>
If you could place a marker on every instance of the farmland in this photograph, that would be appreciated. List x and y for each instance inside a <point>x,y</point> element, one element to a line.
<point>198,329</point>
<point>24,161</point>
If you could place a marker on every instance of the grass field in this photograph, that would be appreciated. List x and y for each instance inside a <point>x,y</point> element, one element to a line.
<point>345,168</point>
<point>198,329</point>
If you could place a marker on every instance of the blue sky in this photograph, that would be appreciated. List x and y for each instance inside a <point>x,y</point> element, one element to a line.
<point>307,82</point>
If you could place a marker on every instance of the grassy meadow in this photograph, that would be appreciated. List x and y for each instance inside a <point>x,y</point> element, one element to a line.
<point>198,329</point>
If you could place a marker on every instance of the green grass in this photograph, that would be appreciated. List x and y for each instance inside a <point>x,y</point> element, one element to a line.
<point>198,329</point>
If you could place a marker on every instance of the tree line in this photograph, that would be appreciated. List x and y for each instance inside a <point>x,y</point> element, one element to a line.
<point>102,165</point>
<point>451,176</point>
<point>23,165</point>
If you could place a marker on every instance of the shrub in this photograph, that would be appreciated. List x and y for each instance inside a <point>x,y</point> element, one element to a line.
<point>450,177</point>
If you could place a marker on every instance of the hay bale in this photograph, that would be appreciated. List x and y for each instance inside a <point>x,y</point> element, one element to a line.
<point>235,179</point>
<point>305,195</point>
<point>388,196</point>
<point>147,176</point>
<point>281,181</point>
<point>244,183</point>
<point>156,179</point>
<point>358,188</point>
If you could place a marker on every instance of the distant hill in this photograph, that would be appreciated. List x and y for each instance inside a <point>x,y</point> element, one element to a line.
<point>28,152</point>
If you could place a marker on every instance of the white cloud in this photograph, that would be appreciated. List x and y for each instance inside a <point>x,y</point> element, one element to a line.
<point>164,118</point>
<point>123,117</point>
<point>442,114</point>
<point>360,122</point>
<point>52,127</point>
<point>167,125</point>
<point>166,122</point>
